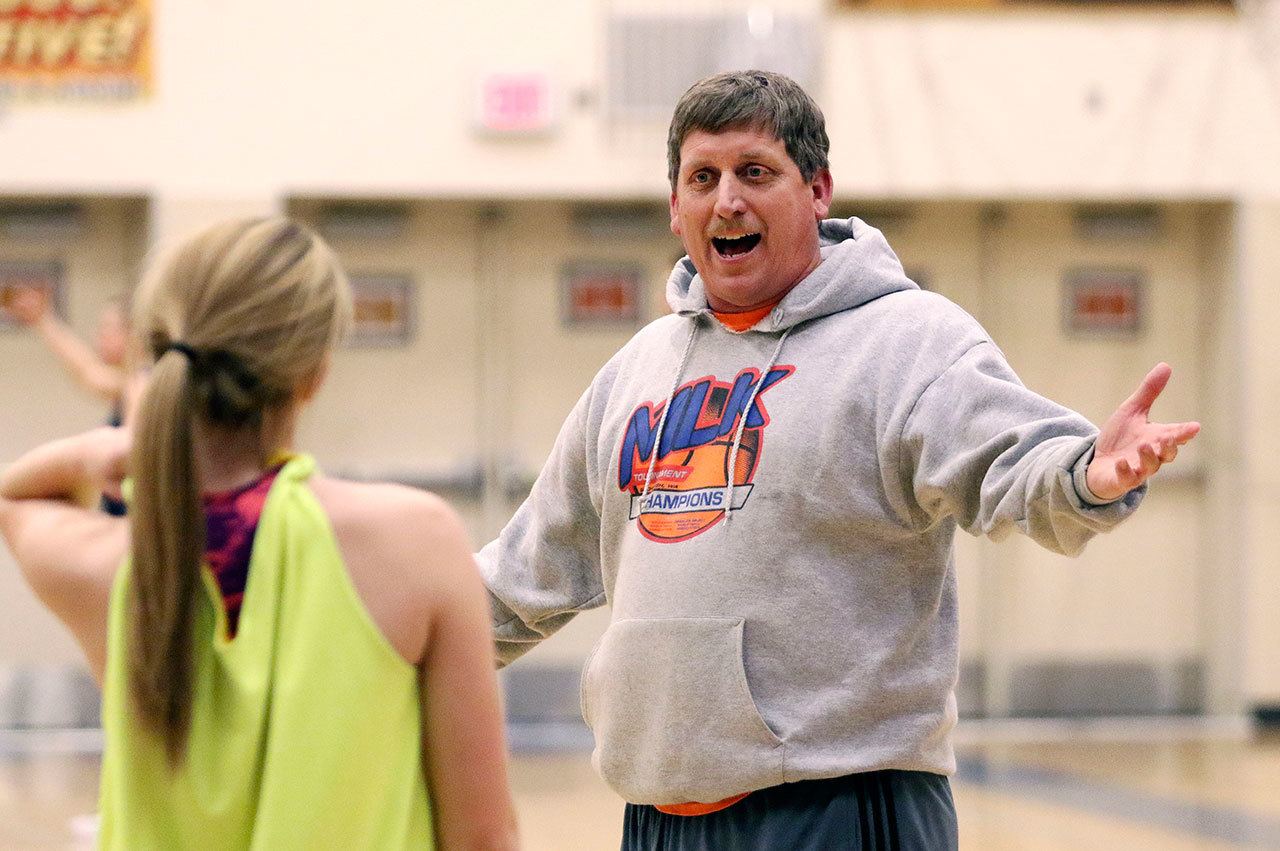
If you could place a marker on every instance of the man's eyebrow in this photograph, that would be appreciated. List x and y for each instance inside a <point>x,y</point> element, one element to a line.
<point>762,155</point>
<point>695,164</point>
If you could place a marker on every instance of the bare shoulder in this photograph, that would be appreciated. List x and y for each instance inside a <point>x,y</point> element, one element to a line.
<point>406,551</point>
<point>397,513</point>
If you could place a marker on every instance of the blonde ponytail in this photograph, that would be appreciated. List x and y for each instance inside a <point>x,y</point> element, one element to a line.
<point>168,546</point>
<point>238,320</point>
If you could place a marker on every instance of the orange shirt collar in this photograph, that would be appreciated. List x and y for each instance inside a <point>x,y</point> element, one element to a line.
<point>743,321</point>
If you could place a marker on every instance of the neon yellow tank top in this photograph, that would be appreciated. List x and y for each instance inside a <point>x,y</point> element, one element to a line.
<point>305,728</point>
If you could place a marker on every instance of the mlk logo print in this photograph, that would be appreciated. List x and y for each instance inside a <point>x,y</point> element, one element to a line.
<point>688,491</point>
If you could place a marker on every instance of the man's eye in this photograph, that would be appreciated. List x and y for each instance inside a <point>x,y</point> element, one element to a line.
<point>701,177</point>
<point>755,171</point>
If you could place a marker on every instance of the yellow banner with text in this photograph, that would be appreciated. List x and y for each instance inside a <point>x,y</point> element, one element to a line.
<point>77,50</point>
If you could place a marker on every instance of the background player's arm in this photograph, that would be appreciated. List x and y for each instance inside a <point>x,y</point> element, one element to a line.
<point>31,308</point>
<point>68,552</point>
<point>463,739</point>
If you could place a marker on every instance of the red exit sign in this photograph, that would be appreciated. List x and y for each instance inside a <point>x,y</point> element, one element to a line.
<point>516,103</point>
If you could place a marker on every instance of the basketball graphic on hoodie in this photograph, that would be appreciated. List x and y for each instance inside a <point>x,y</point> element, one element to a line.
<point>688,489</point>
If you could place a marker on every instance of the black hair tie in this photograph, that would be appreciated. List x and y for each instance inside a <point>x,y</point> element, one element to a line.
<point>192,354</point>
<point>217,367</point>
<point>205,363</point>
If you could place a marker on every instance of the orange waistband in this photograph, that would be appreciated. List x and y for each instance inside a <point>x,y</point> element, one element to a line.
<point>696,809</point>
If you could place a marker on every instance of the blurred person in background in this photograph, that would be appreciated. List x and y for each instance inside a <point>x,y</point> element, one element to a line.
<point>764,487</point>
<point>98,368</point>
<point>289,661</point>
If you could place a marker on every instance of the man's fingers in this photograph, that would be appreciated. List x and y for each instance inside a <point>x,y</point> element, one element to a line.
<point>1145,396</point>
<point>1148,459</point>
<point>1179,433</point>
<point>1168,451</point>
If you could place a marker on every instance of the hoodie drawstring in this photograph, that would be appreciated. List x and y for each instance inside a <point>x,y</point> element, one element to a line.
<point>666,408</point>
<point>742,423</point>
<point>737,436</point>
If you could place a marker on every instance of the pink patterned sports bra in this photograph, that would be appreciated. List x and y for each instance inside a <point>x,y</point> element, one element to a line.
<point>230,521</point>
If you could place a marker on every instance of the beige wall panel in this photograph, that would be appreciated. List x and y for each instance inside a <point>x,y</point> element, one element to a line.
<point>409,412</point>
<point>1050,103</point>
<point>1038,247</point>
<point>29,635</point>
<point>1223,604</point>
<point>1261,668</point>
<point>1260,319</point>
<point>939,241</point>
<point>39,401</point>
<point>550,361</point>
<point>412,409</point>
<point>177,217</point>
<point>1135,592</point>
<point>1255,515</point>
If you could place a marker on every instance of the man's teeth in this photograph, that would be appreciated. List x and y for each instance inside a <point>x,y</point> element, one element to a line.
<point>731,246</point>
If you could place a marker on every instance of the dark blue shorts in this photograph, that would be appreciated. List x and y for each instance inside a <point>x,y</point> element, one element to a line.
<point>875,811</point>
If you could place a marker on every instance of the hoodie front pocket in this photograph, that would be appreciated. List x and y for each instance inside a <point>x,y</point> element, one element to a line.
<point>672,713</point>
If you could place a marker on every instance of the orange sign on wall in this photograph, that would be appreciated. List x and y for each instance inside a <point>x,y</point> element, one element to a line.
<point>19,275</point>
<point>601,292</point>
<point>90,50</point>
<point>1104,300</point>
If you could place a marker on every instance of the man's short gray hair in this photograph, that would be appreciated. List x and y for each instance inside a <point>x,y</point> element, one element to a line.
<point>752,99</point>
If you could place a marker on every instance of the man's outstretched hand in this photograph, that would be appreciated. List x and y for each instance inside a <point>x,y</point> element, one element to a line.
<point>1130,448</point>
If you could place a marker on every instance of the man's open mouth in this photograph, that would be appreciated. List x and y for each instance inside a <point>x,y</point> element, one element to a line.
<point>735,246</point>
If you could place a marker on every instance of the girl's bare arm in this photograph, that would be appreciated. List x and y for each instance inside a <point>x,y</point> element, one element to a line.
<point>68,551</point>
<point>463,732</point>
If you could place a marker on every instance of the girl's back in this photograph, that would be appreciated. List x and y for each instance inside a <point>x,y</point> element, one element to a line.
<point>356,697</point>
<point>304,727</point>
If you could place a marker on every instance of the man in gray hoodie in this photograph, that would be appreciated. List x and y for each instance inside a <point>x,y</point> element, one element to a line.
<point>764,486</point>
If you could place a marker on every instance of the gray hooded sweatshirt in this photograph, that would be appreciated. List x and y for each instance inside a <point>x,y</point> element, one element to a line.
<point>810,630</point>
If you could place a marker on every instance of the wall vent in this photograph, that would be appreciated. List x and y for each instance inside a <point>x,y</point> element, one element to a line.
<point>653,59</point>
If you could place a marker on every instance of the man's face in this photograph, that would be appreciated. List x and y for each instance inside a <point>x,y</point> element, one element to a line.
<point>747,218</point>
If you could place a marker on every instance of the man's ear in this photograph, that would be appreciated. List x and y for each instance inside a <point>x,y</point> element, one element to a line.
<point>675,215</point>
<point>822,187</point>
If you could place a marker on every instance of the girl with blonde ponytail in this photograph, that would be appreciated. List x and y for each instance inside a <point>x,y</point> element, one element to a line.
<point>288,660</point>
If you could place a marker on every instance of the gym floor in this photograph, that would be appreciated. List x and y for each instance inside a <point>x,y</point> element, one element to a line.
<point>1162,793</point>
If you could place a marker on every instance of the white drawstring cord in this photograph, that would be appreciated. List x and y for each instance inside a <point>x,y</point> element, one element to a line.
<point>742,424</point>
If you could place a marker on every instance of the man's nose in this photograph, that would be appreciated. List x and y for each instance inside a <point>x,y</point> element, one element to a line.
<point>730,202</point>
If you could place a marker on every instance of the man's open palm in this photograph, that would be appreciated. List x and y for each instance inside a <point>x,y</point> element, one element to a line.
<point>1130,447</point>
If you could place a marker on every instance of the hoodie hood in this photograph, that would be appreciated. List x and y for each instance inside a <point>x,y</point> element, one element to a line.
<point>857,266</point>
